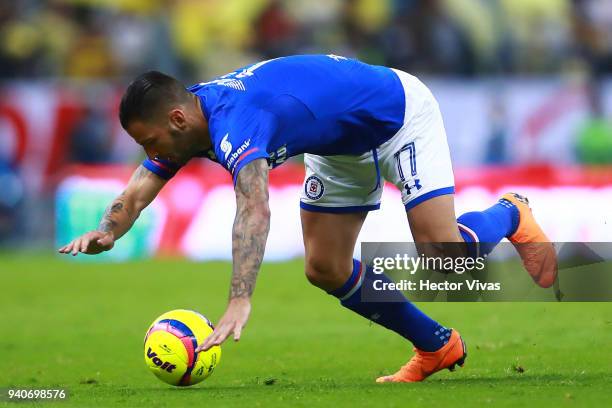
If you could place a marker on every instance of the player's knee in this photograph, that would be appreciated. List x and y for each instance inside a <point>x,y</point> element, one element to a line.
<point>438,253</point>
<point>324,273</point>
<point>315,272</point>
<point>441,235</point>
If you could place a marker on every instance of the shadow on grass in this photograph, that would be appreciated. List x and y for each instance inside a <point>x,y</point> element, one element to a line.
<point>529,379</point>
<point>538,380</point>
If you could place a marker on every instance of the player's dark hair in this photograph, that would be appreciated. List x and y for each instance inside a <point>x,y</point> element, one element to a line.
<point>147,95</point>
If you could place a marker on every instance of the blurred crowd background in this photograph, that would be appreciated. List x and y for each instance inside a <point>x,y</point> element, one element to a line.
<point>520,82</point>
<point>196,39</point>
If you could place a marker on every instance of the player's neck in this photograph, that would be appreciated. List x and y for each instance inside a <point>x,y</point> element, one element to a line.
<point>205,143</point>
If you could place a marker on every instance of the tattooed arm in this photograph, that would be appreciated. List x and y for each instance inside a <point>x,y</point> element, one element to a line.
<point>250,233</point>
<point>120,215</point>
<point>251,227</point>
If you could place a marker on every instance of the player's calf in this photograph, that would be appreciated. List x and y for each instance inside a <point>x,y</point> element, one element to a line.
<point>512,218</point>
<point>394,312</point>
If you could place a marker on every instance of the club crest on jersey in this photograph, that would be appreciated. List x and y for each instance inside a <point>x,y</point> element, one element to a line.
<point>314,188</point>
<point>226,146</point>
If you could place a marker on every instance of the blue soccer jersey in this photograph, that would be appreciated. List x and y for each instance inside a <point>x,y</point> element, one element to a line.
<point>275,109</point>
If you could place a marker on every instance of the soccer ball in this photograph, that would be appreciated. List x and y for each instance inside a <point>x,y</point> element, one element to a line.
<point>169,348</point>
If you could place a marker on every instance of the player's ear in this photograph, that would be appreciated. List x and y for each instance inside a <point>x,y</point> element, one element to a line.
<point>177,119</point>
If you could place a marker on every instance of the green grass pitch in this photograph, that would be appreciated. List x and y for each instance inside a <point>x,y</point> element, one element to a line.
<point>81,326</point>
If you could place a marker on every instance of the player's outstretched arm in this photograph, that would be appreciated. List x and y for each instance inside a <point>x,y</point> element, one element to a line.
<point>120,215</point>
<point>249,237</point>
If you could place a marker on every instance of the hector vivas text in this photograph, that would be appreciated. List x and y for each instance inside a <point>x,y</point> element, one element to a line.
<point>448,265</point>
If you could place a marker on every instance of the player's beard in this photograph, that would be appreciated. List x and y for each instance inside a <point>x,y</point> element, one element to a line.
<point>184,146</point>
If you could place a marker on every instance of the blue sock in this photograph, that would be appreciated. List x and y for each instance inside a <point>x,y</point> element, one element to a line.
<point>395,313</point>
<point>486,228</point>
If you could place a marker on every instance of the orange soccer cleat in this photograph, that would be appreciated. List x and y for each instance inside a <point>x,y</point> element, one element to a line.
<point>536,251</point>
<point>425,363</point>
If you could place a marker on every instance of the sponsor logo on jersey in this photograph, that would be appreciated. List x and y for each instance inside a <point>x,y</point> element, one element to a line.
<point>314,188</point>
<point>237,153</point>
<point>226,146</point>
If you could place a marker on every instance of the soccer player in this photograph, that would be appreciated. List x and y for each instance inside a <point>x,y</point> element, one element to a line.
<point>357,125</point>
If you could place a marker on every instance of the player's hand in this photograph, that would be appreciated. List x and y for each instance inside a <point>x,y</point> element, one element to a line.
<point>90,243</point>
<point>233,321</point>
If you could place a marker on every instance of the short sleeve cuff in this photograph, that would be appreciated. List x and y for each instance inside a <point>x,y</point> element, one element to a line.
<point>246,159</point>
<point>162,169</point>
